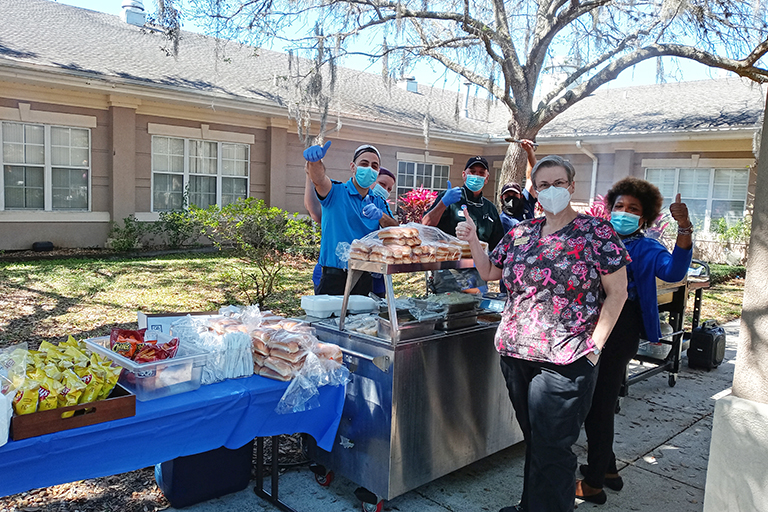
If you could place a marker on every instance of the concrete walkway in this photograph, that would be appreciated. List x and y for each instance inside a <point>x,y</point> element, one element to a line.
<point>662,441</point>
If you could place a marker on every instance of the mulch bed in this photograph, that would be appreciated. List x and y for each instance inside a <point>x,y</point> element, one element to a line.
<point>135,491</point>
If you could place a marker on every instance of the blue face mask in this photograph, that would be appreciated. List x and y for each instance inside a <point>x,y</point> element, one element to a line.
<point>380,191</point>
<point>475,183</point>
<point>366,176</point>
<point>625,223</point>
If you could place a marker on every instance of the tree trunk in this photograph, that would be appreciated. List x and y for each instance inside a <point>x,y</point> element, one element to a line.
<point>515,165</point>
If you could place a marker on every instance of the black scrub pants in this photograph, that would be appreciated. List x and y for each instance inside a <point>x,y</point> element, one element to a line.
<point>550,402</point>
<point>334,280</point>
<point>620,348</point>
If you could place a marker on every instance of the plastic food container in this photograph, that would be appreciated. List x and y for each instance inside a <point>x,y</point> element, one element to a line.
<point>323,306</point>
<point>159,378</point>
<point>655,350</point>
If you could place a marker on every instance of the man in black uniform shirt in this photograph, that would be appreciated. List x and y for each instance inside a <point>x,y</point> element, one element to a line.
<point>446,213</point>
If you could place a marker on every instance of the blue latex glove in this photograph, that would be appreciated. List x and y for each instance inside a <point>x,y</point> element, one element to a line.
<point>451,195</point>
<point>372,211</point>
<point>316,153</point>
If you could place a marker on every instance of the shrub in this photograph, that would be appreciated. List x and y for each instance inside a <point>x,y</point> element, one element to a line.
<point>305,236</point>
<point>178,228</point>
<point>414,204</point>
<point>129,236</point>
<point>260,235</point>
<point>721,273</point>
<point>738,233</point>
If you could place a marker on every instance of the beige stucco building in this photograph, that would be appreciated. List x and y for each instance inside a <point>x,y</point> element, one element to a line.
<point>99,121</point>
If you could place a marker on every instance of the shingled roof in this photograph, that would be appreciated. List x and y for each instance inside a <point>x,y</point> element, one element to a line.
<point>44,35</point>
<point>64,39</point>
<point>696,106</point>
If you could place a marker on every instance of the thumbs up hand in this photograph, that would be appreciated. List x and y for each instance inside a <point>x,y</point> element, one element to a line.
<point>451,195</point>
<point>679,212</point>
<point>370,210</point>
<point>466,230</point>
<point>316,153</point>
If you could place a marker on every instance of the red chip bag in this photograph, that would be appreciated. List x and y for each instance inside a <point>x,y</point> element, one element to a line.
<point>125,342</point>
<point>150,353</point>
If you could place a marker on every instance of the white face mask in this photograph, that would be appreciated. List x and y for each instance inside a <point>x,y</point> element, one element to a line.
<point>554,199</point>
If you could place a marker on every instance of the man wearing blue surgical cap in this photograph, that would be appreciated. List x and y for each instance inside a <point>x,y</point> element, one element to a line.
<point>349,212</point>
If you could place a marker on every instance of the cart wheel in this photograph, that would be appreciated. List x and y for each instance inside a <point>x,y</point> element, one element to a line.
<point>324,480</point>
<point>370,507</point>
<point>672,380</point>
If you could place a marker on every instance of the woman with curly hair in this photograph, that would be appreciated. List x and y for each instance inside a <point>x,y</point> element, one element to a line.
<point>634,205</point>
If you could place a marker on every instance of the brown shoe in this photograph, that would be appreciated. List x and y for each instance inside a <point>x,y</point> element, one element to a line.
<point>590,494</point>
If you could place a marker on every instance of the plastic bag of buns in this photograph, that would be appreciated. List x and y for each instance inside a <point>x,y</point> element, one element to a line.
<point>408,243</point>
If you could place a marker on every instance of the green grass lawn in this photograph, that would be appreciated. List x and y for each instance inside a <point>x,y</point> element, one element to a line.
<point>50,299</point>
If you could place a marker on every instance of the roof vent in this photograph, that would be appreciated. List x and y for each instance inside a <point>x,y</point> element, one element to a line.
<point>409,83</point>
<point>133,13</point>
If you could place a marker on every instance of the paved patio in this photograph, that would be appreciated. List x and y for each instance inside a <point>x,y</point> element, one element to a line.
<point>662,440</point>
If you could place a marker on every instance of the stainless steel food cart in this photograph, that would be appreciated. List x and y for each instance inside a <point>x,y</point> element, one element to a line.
<point>417,408</point>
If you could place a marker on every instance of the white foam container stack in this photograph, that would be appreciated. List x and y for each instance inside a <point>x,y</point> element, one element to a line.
<point>324,306</point>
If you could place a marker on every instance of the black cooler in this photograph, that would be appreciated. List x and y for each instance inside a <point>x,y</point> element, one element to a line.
<point>189,480</point>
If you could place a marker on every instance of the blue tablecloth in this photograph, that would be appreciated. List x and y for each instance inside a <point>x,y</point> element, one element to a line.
<point>229,413</point>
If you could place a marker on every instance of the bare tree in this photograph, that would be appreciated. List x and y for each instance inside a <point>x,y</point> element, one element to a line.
<point>506,47</point>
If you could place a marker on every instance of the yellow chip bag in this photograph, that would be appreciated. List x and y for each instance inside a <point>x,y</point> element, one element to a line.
<point>48,394</point>
<point>111,374</point>
<point>78,359</point>
<point>99,359</point>
<point>25,400</point>
<point>71,390</point>
<point>37,359</point>
<point>52,371</point>
<point>50,350</point>
<point>92,383</point>
<point>64,364</point>
<point>72,342</point>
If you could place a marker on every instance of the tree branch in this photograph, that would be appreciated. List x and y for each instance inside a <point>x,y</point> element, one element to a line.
<point>742,67</point>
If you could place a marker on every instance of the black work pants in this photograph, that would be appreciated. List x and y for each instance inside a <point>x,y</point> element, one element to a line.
<point>620,348</point>
<point>550,404</point>
<point>333,280</point>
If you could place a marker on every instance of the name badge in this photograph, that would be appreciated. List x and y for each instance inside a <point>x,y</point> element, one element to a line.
<point>521,241</point>
<point>461,213</point>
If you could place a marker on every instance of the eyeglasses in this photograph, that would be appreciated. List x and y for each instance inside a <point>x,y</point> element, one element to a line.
<point>559,184</point>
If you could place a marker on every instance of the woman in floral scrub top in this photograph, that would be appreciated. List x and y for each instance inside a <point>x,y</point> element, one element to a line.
<point>567,285</point>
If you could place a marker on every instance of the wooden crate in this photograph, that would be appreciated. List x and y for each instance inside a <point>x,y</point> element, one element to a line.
<point>120,404</point>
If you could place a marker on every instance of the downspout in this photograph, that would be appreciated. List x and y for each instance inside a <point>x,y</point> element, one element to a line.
<point>593,186</point>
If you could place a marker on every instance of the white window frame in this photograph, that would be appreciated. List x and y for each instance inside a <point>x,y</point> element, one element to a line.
<point>186,174</point>
<point>710,189</point>
<point>47,169</point>
<point>421,158</point>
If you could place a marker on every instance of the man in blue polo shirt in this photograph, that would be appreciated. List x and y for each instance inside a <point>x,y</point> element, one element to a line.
<point>349,212</point>
<point>383,187</point>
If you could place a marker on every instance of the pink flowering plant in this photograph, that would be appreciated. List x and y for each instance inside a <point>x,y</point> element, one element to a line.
<point>598,208</point>
<point>414,204</point>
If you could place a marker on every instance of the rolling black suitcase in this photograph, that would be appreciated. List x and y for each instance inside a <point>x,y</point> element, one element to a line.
<point>707,348</point>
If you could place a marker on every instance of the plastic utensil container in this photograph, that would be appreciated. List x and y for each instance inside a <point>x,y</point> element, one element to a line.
<point>159,378</point>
